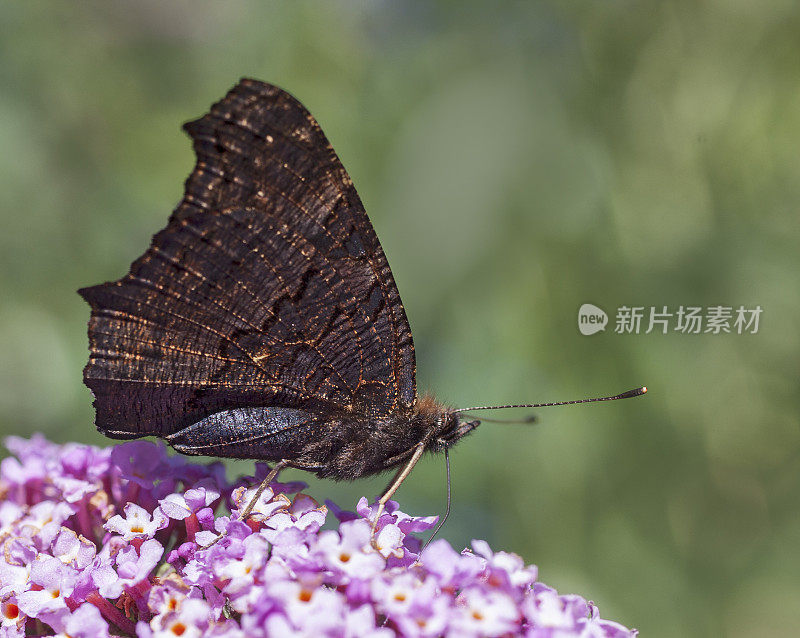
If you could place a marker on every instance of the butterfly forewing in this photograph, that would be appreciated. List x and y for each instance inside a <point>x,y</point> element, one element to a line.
<point>267,288</point>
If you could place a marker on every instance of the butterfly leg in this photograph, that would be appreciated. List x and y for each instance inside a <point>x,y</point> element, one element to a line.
<point>394,485</point>
<point>264,484</point>
<point>247,510</point>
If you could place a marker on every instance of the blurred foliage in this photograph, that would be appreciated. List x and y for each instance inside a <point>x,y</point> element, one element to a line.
<point>517,160</point>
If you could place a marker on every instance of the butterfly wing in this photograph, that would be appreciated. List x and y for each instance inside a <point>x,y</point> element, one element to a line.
<point>268,287</point>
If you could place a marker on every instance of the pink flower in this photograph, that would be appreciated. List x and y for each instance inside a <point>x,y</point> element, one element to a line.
<point>348,551</point>
<point>268,502</point>
<point>73,550</point>
<point>360,623</point>
<point>398,595</point>
<point>15,570</point>
<point>137,522</point>
<point>181,506</point>
<point>303,513</point>
<point>485,613</point>
<point>451,569</point>
<point>43,521</point>
<point>241,573</point>
<point>310,608</point>
<point>505,570</point>
<point>71,565</point>
<point>12,620</point>
<point>141,462</point>
<point>428,619</point>
<point>134,566</point>
<point>190,620</point>
<point>85,622</point>
<point>54,582</point>
<point>168,595</point>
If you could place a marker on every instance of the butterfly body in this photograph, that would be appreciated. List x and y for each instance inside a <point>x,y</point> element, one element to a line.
<point>348,445</point>
<point>264,321</point>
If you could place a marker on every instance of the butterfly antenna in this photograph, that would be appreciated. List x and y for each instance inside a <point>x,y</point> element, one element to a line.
<point>625,395</point>
<point>531,418</point>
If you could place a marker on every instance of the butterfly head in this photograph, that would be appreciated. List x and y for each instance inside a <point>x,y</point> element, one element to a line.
<point>450,428</point>
<point>444,425</point>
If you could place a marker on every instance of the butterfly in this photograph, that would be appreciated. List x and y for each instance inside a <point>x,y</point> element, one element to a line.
<point>264,321</point>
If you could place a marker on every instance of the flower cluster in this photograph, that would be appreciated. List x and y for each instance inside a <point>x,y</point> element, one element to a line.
<point>120,541</point>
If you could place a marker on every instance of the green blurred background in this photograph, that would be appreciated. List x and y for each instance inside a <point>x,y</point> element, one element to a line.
<point>517,160</point>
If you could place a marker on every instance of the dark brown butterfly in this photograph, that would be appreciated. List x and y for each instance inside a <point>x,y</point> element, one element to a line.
<point>264,321</point>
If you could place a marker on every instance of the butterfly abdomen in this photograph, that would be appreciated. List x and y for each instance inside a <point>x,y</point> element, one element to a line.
<point>345,447</point>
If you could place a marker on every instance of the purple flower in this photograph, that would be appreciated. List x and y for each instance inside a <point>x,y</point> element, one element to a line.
<point>485,613</point>
<point>141,462</point>
<point>190,619</point>
<point>101,577</point>
<point>134,566</point>
<point>310,608</point>
<point>451,569</point>
<point>72,549</point>
<point>12,620</point>
<point>348,553</point>
<point>53,582</point>
<point>403,592</point>
<point>137,522</point>
<point>168,595</point>
<point>360,623</point>
<point>394,539</point>
<point>43,521</point>
<point>303,513</point>
<point>503,569</point>
<point>181,506</point>
<point>427,618</point>
<point>15,570</point>
<point>86,532</point>
<point>85,622</point>
<point>82,469</point>
<point>244,571</point>
<point>267,504</point>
